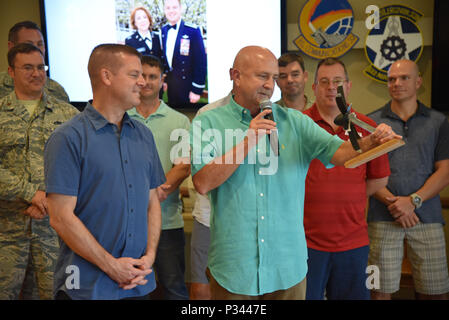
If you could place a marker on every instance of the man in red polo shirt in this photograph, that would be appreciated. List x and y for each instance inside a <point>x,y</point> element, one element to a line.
<point>335,201</point>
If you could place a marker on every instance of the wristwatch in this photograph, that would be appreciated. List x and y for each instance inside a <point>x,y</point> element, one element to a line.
<point>416,200</point>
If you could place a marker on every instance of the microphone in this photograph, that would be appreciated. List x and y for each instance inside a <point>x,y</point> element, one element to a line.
<point>273,138</point>
<point>264,105</point>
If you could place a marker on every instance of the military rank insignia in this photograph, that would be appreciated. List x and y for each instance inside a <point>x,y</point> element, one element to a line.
<point>397,36</point>
<point>325,27</point>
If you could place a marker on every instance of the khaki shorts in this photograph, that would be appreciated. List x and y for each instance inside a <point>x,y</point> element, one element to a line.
<point>297,292</point>
<point>199,248</point>
<point>426,251</point>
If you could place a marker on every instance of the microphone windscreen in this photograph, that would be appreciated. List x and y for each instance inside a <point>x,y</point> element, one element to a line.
<point>265,104</point>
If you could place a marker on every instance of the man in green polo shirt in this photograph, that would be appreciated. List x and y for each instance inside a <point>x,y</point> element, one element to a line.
<point>258,247</point>
<point>170,130</point>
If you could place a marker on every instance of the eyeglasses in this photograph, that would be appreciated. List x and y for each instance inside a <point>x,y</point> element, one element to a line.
<point>336,82</point>
<point>29,69</point>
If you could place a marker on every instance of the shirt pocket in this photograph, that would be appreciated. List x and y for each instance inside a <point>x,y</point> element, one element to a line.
<point>48,128</point>
<point>12,139</point>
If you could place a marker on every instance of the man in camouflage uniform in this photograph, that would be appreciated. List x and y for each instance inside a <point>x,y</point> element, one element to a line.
<point>27,118</point>
<point>29,32</point>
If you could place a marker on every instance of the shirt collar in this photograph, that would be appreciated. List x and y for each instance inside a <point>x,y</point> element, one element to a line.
<point>161,111</point>
<point>98,121</point>
<point>148,36</point>
<point>421,110</point>
<point>315,114</point>
<point>242,114</point>
<point>44,100</point>
<point>133,113</point>
<point>14,101</point>
<point>178,24</point>
<point>281,102</point>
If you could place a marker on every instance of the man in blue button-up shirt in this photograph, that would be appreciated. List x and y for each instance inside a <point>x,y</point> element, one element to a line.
<point>101,171</point>
<point>258,247</point>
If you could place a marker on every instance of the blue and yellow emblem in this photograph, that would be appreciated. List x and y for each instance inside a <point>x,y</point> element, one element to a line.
<point>397,37</point>
<point>325,27</point>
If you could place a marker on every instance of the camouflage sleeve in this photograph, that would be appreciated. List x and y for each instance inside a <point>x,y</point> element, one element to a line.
<point>6,84</point>
<point>13,187</point>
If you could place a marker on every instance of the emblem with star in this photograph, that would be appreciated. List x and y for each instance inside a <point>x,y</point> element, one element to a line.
<point>397,38</point>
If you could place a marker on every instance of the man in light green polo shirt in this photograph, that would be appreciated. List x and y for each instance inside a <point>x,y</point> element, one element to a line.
<point>170,130</point>
<point>258,247</point>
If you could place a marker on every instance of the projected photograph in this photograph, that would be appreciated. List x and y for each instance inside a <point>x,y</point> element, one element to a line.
<point>183,37</point>
<point>176,32</point>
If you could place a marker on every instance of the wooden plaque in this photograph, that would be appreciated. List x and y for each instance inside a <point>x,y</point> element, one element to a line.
<point>374,153</point>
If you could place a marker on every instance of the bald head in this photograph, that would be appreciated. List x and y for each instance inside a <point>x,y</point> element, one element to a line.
<point>108,56</point>
<point>248,54</point>
<point>254,73</point>
<point>405,66</point>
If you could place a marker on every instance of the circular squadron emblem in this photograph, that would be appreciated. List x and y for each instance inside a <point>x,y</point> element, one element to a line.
<point>397,36</point>
<point>325,27</point>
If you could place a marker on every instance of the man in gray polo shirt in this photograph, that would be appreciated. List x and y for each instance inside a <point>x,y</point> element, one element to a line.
<point>409,207</point>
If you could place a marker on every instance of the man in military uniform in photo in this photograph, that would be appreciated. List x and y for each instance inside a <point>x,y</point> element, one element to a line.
<point>185,55</point>
<point>144,39</point>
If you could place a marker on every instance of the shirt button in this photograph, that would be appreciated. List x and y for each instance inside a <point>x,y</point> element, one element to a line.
<point>262,217</point>
<point>129,235</point>
<point>132,210</point>
<point>261,194</point>
<point>130,185</point>
<point>126,161</point>
<point>260,171</point>
<point>258,150</point>
<point>262,240</point>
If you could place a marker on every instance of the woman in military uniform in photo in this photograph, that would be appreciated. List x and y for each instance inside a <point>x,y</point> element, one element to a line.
<point>144,40</point>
